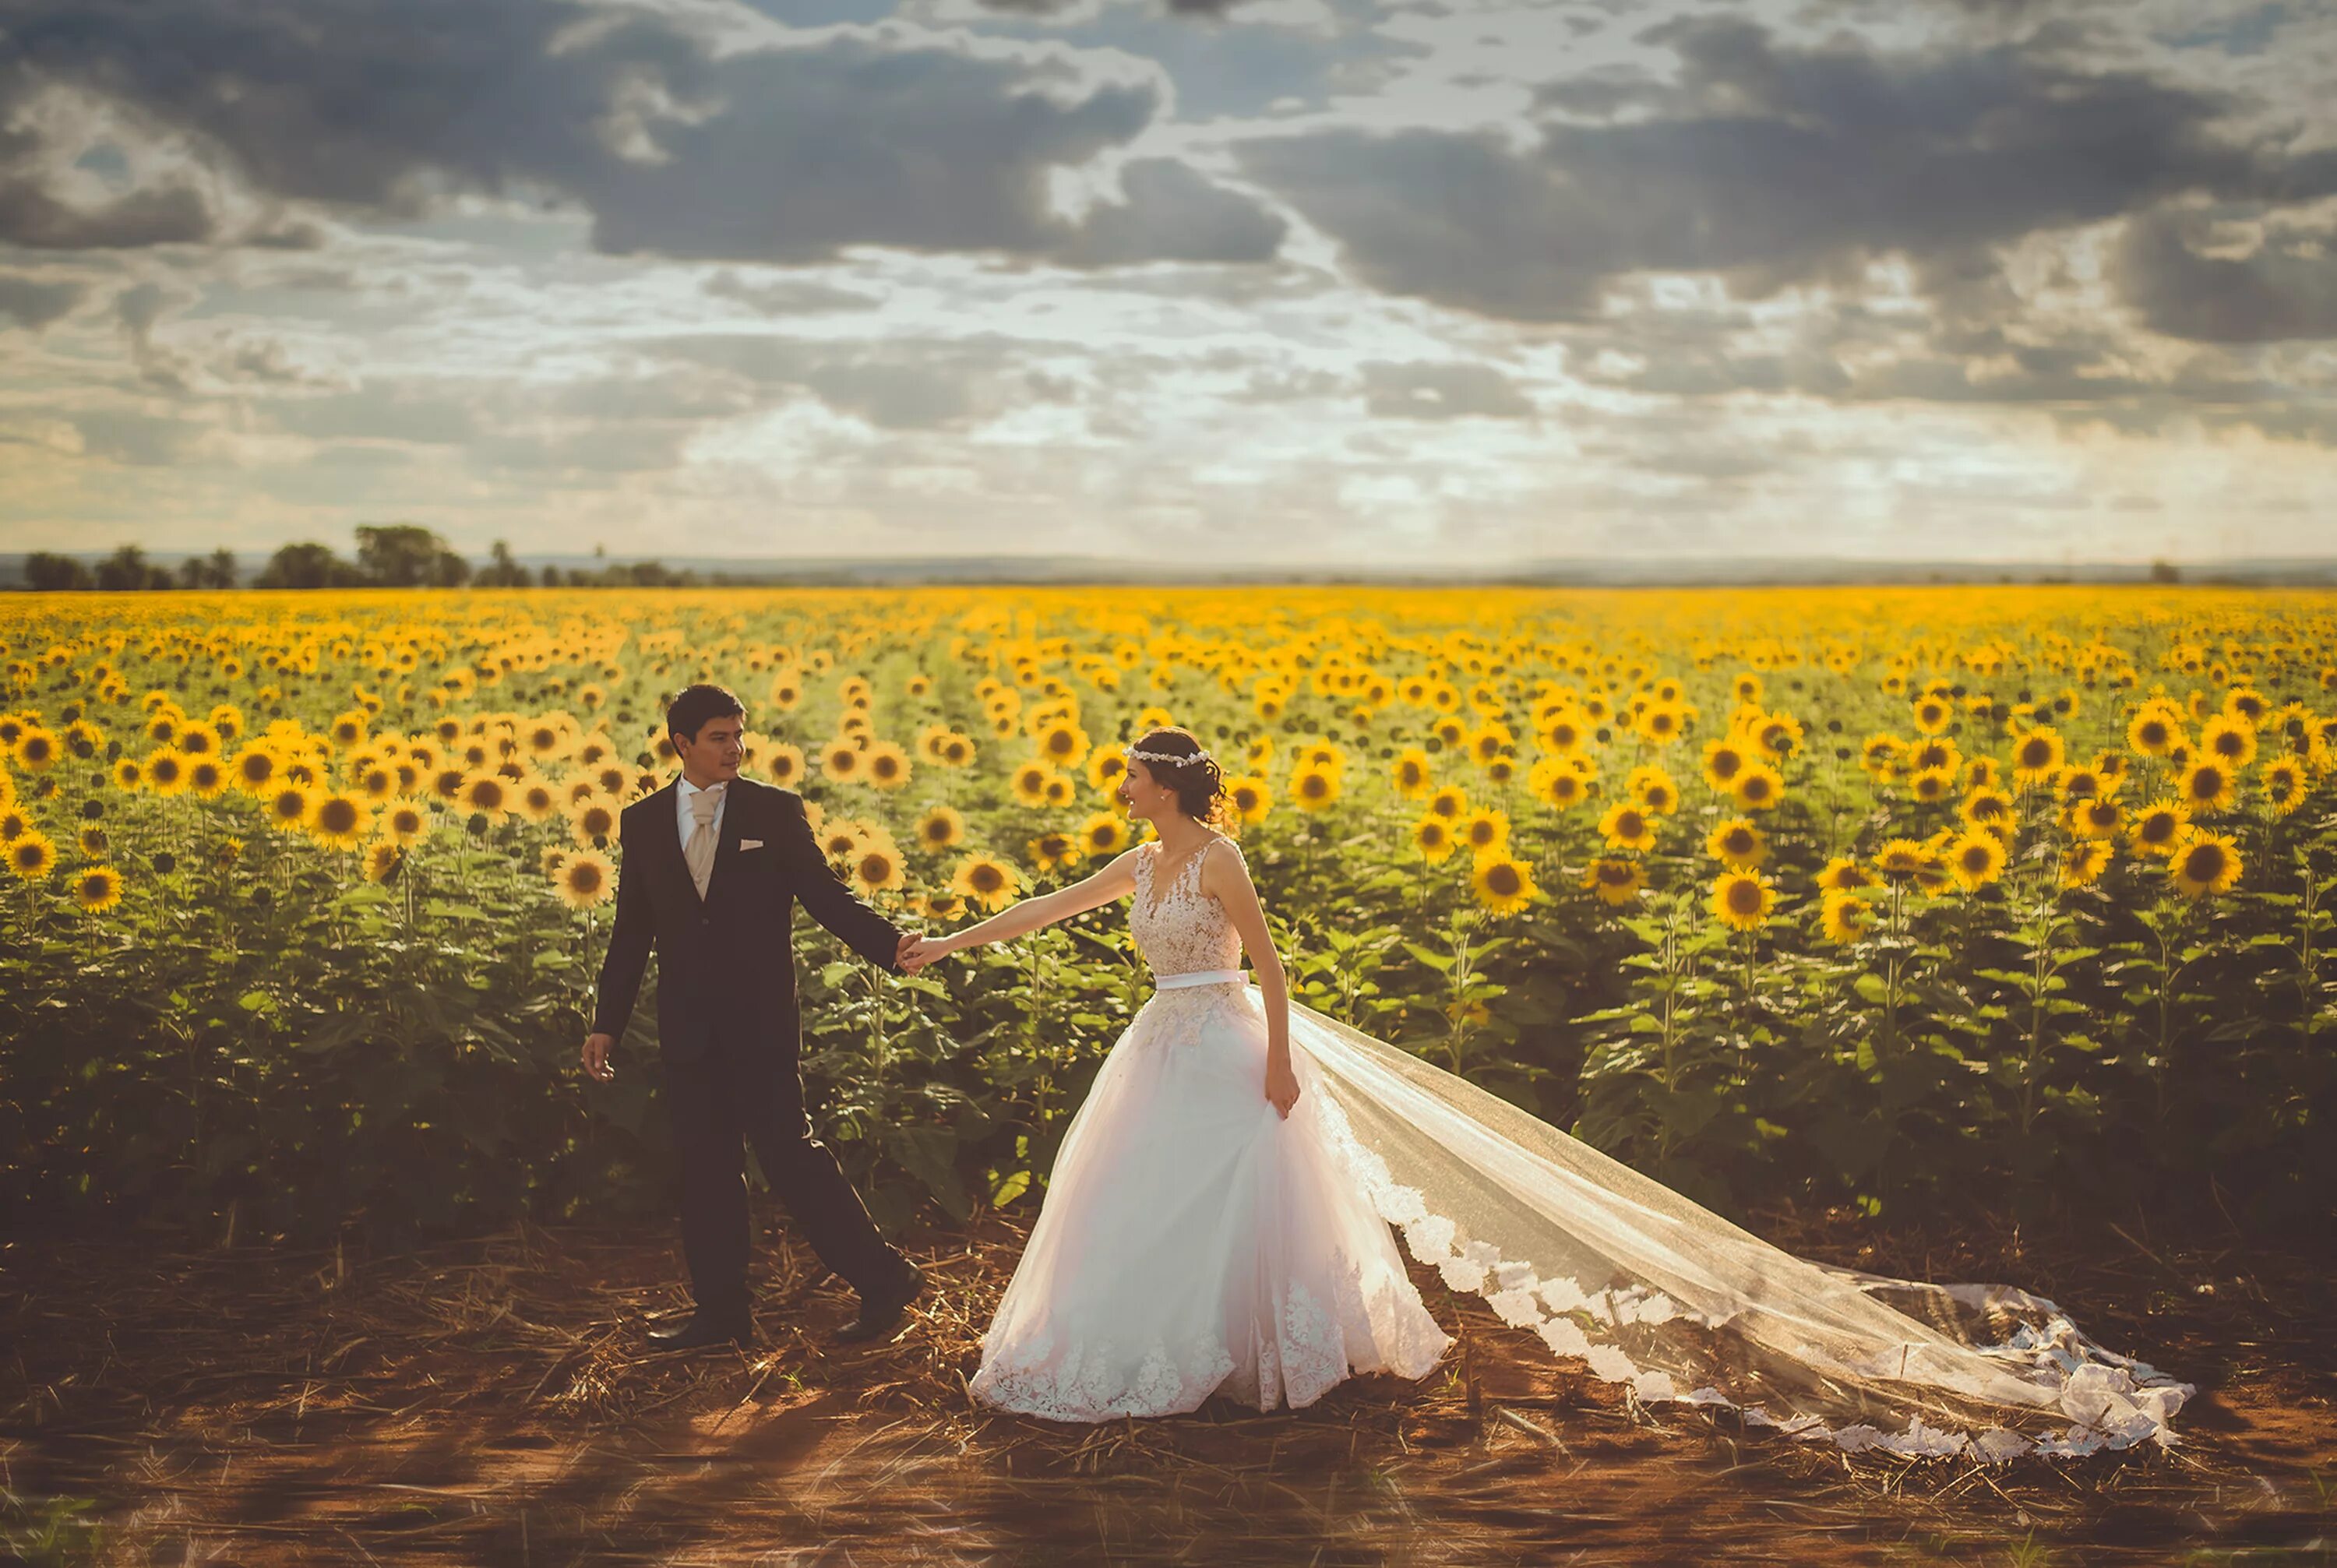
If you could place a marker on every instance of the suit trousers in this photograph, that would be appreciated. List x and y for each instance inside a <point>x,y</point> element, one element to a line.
<point>731,1092</point>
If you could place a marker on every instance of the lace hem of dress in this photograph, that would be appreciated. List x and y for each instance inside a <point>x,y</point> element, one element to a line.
<point>2113,1401</point>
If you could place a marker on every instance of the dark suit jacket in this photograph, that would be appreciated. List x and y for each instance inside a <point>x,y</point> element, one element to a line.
<point>726,966</point>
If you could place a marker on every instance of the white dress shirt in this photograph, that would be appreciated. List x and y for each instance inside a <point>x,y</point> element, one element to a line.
<point>688,819</point>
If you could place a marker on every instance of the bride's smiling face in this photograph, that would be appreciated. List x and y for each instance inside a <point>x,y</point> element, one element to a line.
<point>1147,799</point>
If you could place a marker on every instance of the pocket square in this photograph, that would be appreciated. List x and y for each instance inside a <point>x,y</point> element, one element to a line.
<point>750,843</point>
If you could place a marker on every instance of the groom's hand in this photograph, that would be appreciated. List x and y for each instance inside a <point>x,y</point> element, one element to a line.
<point>596,1056</point>
<point>907,953</point>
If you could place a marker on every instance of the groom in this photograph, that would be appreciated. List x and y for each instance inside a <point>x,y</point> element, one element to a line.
<point>713,865</point>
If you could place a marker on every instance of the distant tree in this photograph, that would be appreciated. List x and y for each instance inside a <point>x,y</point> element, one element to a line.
<point>51,573</point>
<point>551,576</point>
<point>216,570</point>
<point>503,571</point>
<point>408,555</point>
<point>2166,571</point>
<point>127,570</point>
<point>308,564</point>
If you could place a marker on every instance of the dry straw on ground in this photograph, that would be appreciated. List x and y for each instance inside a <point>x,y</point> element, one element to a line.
<point>493,1400</point>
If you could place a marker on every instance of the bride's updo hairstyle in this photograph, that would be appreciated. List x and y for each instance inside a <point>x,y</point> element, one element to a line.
<point>1198,781</point>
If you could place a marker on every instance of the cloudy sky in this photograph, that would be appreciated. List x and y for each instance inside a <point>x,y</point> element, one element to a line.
<point>1280,281</point>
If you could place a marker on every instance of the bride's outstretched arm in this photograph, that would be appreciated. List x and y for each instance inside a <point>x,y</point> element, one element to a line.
<point>1115,880</point>
<point>1225,878</point>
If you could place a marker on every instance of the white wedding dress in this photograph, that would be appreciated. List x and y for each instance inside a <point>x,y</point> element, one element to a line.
<point>1192,1241</point>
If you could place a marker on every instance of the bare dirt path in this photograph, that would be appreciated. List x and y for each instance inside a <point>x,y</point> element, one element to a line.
<point>491,1401</point>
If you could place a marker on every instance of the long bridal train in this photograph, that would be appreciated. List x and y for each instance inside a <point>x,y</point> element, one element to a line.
<point>1658,1292</point>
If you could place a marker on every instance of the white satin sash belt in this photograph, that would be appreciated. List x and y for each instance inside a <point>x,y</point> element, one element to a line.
<point>1197,977</point>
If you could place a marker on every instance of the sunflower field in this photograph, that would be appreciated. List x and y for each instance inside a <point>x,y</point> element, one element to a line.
<point>2008,898</point>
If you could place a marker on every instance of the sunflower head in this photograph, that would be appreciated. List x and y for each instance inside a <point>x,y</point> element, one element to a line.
<point>1743,900</point>
<point>97,888</point>
<point>585,879</point>
<point>2204,863</point>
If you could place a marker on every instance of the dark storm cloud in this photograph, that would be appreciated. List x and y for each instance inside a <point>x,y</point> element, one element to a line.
<point>30,302</point>
<point>782,154</point>
<point>2285,287</point>
<point>1442,391</point>
<point>1768,164</point>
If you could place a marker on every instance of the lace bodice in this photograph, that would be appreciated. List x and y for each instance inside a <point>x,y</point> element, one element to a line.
<point>1179,928</point>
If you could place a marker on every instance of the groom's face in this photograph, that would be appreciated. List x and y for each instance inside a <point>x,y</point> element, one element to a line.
<point>715,753</point>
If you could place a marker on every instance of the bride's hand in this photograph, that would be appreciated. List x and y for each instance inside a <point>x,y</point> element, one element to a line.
<point>1280,1087</point>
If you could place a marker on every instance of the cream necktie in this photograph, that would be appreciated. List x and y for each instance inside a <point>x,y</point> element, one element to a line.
<point>699,851</point>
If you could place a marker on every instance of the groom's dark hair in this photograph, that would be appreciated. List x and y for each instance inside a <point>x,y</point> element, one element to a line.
<point>697,705</point>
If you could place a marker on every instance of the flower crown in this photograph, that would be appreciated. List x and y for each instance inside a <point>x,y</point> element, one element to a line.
<point>1201,756</point>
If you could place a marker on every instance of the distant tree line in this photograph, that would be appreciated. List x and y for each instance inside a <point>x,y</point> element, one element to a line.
<point>389,555</point>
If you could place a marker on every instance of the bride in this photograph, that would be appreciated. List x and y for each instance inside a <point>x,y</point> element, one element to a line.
<point>1218,1220</point>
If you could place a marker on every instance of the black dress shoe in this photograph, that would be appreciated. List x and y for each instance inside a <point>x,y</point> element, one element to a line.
<point>881,1314</point>
<point>703,1329</point>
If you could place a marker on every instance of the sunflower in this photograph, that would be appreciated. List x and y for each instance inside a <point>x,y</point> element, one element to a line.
<point>2158,827</point>
<point>1485,831</point>
<point>1653,788</point>
<point>383,859</point>
<point>1059,790</point>
<point>2283,784</point>
<point>592,821</point>
<point>1843,875</point>
<point>877,870</point>
<point>2204,863</point>
<point>842,761</point>
<point>1902,859</point>
<point>783,765</point>
<point>2083,861</point>
<point>1879,756</point>
<point>2228,739</point>
<point>940,905</point>
<point>1063,744</point>
<point>487,794</point>
<point>2082,783</point>
<point>1432,838</point>
<point>1503,885</point>
<point>1662,723</point>
<point>983,880</point>
<point>1988,808</point>
<point>36,750</point>
<point>1975,860</point>
<point>1737,845</point>
<point>1932,753</point>
<point>1628,825</point>
<point>1742,900</point>
<point>31,854</point>
<point>288,805</point>
<point>339,819</point>
<point>1615,881</point>
<point>940,828</point>
<point>2036,756</point>
<point>1934,715</point>
<point>1031,783</point>
<point>97,888</point>
<point>2154,732</point>
<point>1931,785</point>
<point>888,765</point>
<point>1313,787</point>
<point>2207,785</point>
<point>92,840</point>
<point>2099,818</point>
<point>537,798</point>
<point>404,822</point>
<point>1412,773</point>
<point>586,878</point>
<point>1844,917</point>
<point>1250,796</point>
<point>1103,833</point>
<point>1724,759</point>
<point>166,770</point>
<point>128,773</point>
<point>1759,787</point>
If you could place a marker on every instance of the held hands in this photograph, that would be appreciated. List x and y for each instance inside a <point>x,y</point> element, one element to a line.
<point>916,951</point>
